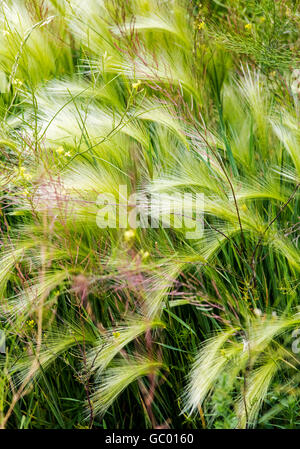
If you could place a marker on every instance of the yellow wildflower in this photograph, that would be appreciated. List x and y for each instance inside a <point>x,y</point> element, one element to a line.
<point>116,334</point>
<point>30,323</point>
<point>144,254</point>
<point>60,150</point>
<point>248,26</point>
<point>136,85</point>
<point>128,235</point>
<point>201,25</point>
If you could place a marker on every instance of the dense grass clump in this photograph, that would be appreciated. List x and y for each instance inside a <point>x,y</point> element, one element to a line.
<point>121,326</point>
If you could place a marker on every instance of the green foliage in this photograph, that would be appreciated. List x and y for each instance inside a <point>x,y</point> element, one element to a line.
<point>130,328</point>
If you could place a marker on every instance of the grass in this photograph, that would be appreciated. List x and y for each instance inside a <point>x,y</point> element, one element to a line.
<point>116,327</point>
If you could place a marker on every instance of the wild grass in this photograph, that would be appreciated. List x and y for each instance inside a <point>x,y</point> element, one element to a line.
<point>146,328</point>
